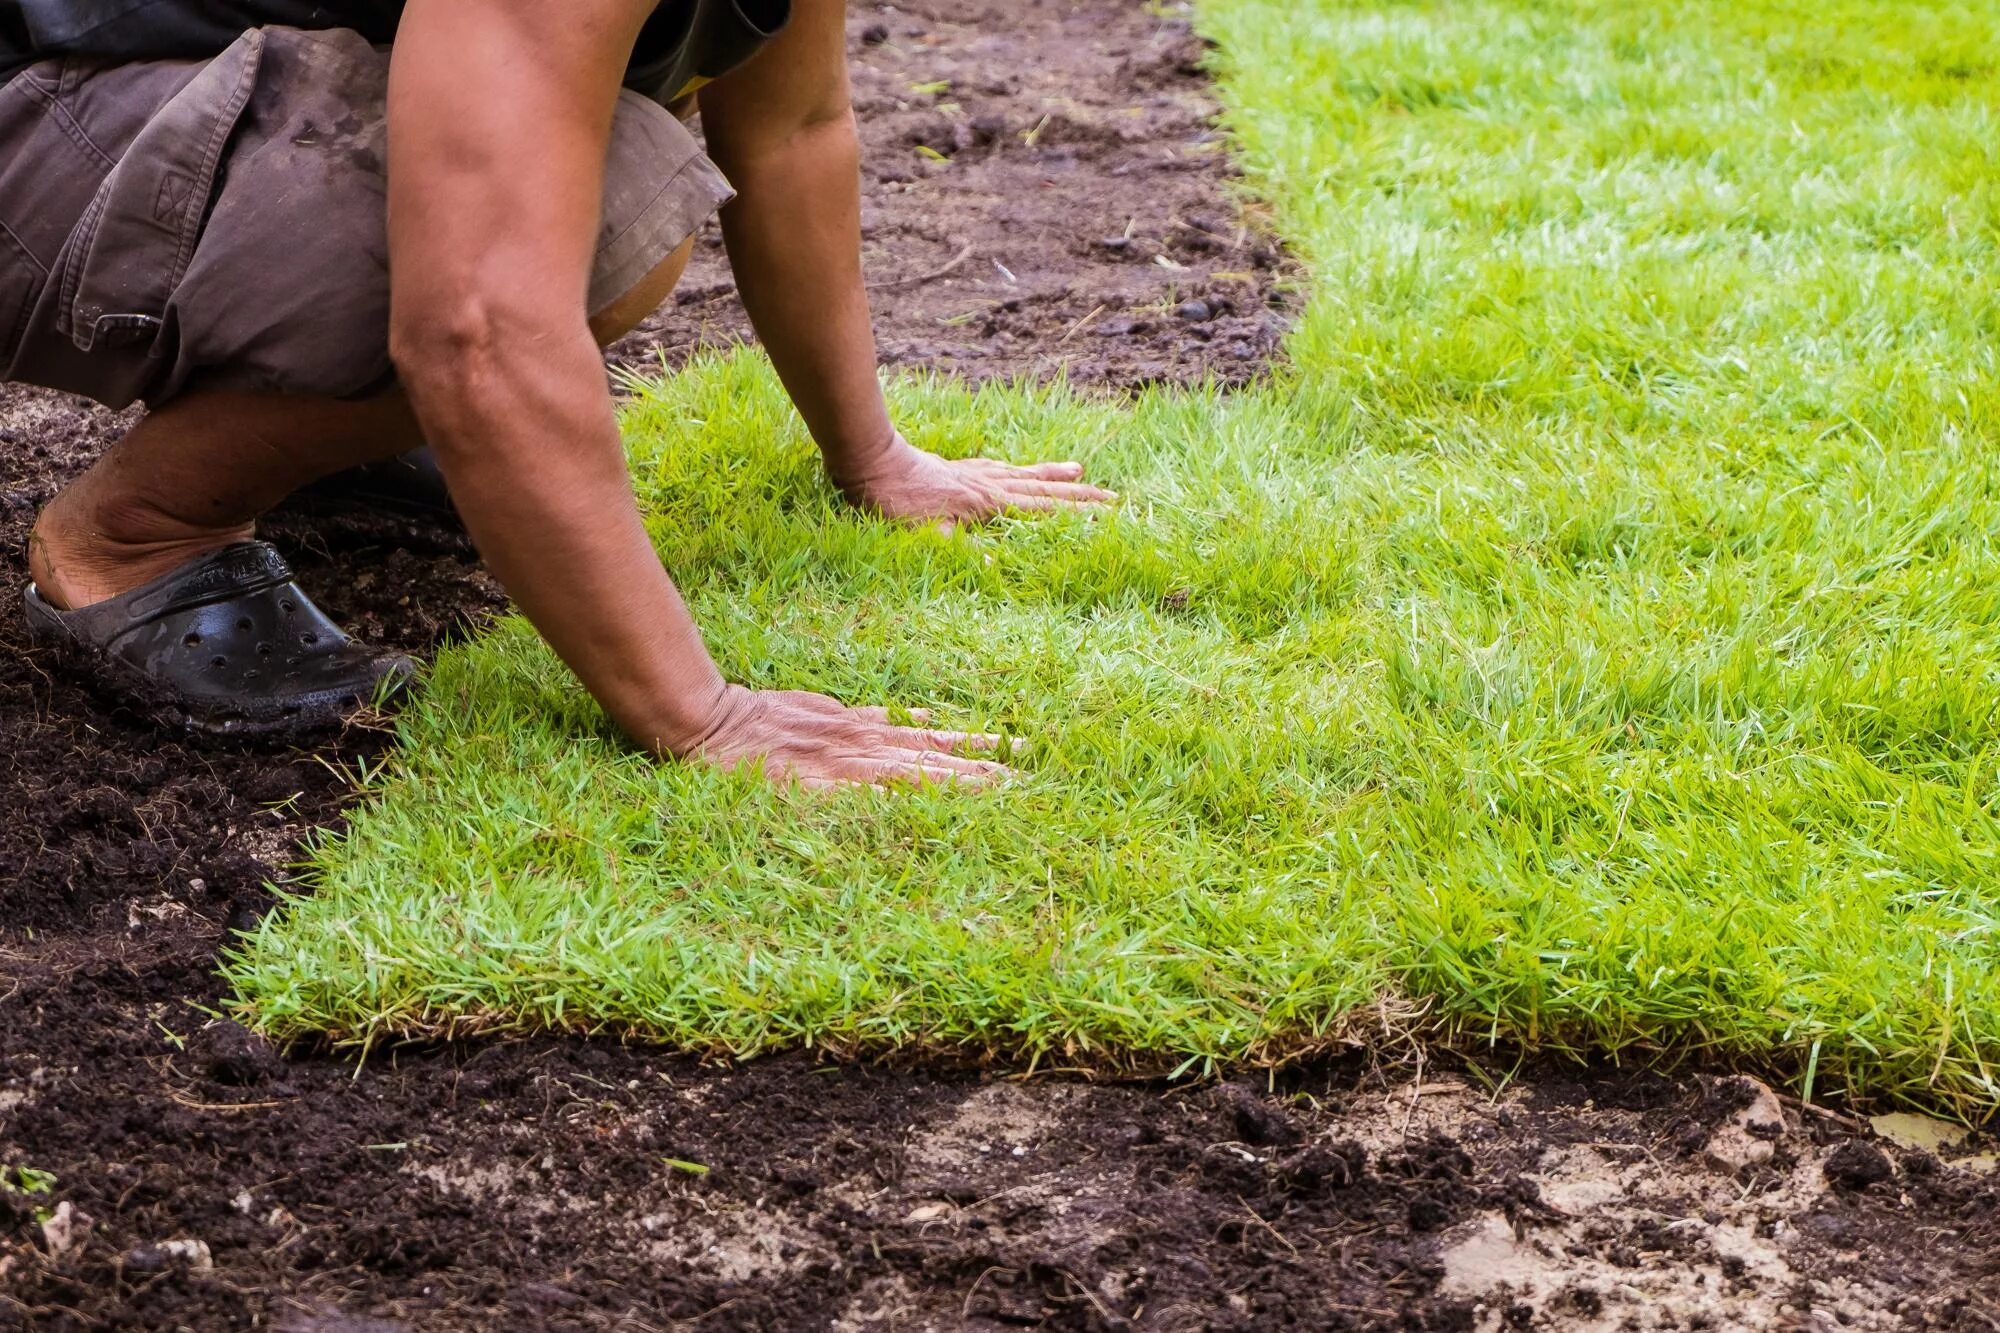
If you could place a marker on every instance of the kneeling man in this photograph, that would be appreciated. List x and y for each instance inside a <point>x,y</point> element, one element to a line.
<point>317,236</point>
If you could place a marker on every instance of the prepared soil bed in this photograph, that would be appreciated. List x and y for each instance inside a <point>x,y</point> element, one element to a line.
<point>1030,167</point>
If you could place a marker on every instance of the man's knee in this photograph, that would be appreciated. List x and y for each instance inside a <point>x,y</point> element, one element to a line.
<point>647,295</point>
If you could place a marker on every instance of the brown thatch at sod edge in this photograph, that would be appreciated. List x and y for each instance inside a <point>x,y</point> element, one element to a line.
<point>203,1181</point>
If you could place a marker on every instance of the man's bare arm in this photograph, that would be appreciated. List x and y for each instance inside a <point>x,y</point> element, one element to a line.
<point>782,129</point>
<point>500,114</point>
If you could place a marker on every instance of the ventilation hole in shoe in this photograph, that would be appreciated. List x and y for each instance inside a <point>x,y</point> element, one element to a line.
<point>285,605</point>
<point>263,650</point>
<point>243,625</point>
<point>309,639</point>
<point>218,661</point>
<point>192,640</point>
<point>251,674</point>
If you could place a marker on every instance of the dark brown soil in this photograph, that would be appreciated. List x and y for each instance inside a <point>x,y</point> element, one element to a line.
<point>1045,194</point>
<point>561,1184</point>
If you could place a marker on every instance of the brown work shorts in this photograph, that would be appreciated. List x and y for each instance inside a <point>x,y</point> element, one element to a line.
<point>220,224</point>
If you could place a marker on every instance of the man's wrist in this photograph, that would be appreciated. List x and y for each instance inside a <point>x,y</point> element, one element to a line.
<point>683,726</point>
<point>853,466</point>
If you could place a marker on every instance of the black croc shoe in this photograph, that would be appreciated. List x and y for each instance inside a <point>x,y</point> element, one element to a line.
<point>226,644</point>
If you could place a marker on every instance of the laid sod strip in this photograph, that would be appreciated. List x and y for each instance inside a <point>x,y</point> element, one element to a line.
<point>1591,640</point>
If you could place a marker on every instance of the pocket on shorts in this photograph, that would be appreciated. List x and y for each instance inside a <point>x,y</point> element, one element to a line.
<point>133,244</point>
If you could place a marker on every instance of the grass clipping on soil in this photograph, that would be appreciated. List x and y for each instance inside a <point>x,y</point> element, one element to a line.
<point>1590,640</point>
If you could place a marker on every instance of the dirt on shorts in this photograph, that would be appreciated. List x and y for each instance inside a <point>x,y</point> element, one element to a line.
<point>1046,194</point>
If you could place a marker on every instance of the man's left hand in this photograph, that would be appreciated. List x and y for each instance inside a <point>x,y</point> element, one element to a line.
<point>907,483</point>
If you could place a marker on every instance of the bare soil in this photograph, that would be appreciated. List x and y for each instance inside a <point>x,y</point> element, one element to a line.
<point>1045,194</point>
<point>205,1181</point>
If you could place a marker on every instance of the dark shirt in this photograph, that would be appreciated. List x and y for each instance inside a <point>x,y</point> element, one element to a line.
<point>684,42</point>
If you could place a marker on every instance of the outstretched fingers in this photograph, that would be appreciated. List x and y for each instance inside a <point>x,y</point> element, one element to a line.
<point>946,763</point>
<point>994,467</point>
<point>1012,476</point>
<point>913,734</point>
<point>813,741</point>
<point>902,768</point>
<point>1043,504</point>
<point>1076,492</point>
<point>890,766</point>
<point>950,742</point>
<point>887,716</point>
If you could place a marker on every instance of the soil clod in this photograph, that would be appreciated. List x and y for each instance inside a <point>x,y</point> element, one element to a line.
<point>1857,1165</point>
<point>231,1054</point>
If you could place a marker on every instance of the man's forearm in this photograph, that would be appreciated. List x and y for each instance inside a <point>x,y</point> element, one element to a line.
<point>794,237</point>
<point>489,276</point>
<point>531,450</point>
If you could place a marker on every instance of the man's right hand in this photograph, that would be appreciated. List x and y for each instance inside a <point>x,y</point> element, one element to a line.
<point>820,742</point>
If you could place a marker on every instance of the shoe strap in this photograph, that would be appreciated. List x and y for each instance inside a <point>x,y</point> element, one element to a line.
<point>234,571</point>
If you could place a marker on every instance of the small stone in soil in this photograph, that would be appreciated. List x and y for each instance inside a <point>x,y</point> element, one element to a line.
<point>1194,312</point>
<point>192,1254</point>
<point>64,1229</point>
<point>875,34</point>
<point>1748,1138</point>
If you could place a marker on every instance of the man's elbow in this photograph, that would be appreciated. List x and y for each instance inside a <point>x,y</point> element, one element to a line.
<point>444,345</point>
<point>477,367</point>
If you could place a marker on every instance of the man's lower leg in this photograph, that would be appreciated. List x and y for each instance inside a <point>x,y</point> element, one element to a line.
<point>192,478</point>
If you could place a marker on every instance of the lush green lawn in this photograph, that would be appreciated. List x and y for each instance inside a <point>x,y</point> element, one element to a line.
<point>1592,641</point>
